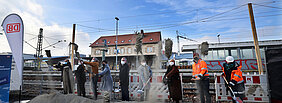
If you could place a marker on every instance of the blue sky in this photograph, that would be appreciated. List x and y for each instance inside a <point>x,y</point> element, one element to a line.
<point>57,16</point>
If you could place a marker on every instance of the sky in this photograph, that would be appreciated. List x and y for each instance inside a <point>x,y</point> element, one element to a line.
<point>200,20</point>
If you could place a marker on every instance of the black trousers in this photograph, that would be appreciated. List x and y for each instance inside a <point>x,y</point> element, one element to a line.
<point>124,92</point>
<point>203,88</point>
<point>81,89</point>
<point>239,91</point>
<point>94,86</point>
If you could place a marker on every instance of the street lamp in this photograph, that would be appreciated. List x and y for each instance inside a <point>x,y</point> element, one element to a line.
<point>117,19</point>
<point>218,35</point>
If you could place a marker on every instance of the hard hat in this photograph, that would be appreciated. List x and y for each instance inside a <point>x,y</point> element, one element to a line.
<point>229,59</point>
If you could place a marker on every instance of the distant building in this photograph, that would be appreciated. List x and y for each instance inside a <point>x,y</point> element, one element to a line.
<point>183,60</point>
<point>151,48</point>
<point>243,53</point>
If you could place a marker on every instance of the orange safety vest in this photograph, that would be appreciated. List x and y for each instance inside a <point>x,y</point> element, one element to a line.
<point>236,75</point>
<point>200,68</point>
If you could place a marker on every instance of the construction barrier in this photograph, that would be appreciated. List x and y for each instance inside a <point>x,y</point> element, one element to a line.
<point>158,90</point>
<point>255,88</point>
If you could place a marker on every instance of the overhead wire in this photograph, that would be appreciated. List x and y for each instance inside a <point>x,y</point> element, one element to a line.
<point>32,38</point>
<point>43,36</point>
<point>267,6</point>
<point>95,28</point>
<point>163,13</point>
<point>173,25</point>
<point>148,14</point>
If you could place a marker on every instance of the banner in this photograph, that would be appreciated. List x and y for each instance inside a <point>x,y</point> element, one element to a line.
<point>5,72</point>
<point>14,29</point>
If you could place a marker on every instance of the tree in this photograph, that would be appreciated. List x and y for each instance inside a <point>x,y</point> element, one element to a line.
<point>168,47</point>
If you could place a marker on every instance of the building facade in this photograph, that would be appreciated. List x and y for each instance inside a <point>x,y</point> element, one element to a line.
<point>243,53</point>
<point>151,49</point>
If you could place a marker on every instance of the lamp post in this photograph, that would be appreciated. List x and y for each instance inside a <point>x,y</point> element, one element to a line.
<point>218,35</point>
<point>117,19</point>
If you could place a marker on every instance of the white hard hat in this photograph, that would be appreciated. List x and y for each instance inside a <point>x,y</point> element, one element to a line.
<point>229,59</point>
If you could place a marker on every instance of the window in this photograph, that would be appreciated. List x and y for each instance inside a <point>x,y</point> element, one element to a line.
<point>122,51</point>
<point>151,39</point>
<point>261,53</point>
<point>234,53</point>
<point>97,43</point>
<point>108,52</point>
<point>97,52</point>
<point>122,41</point>
<point>226,52</point>
<point>109,42</point>
<point>214,55</point>
<point>129,50</point>
<point>149,49</point>
<point>129,40</point>
<point>221,54</point>
<point>209,56</point>
<point>114,51</point>
<point>246,53</point>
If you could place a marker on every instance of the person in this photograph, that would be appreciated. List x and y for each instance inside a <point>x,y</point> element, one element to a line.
<point>124,79</point>
<point>60,68</point>
<point>145,74</point>
<point>174,82</point>
<point>233,74</point>
<point>66,69</point>
<point>200,75</point>
<point>107,81</point>
<point>81,79</point>
<point>94,78</point>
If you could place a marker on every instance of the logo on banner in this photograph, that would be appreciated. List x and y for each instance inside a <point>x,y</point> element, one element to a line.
<point>13,27</point>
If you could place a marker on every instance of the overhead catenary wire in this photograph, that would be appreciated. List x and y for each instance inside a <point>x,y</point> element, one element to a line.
<point>95,28</point>
<point>158,13</point>
<point>267,6</point>
<point>167,12</point>
<point>190,22</point>
<point>155,27</point>
<point>231,19</point>
<point>173,24</point>
<point>44,36</point>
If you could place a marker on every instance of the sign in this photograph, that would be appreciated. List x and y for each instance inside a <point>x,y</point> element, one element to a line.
<point>14,29</point>
<point>5,73</point>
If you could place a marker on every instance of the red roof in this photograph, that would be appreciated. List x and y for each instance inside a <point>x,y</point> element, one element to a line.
<point>126,39</point>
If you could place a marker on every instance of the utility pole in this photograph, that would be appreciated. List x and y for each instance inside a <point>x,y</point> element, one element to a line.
<point>258,56</point>
<point>178,53</point>
<point>38,54</point>
<point>72,47</point>
<point>117,19</point>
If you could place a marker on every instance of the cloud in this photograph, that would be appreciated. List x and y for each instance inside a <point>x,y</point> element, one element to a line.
<point>33,17</point>
<point>137,7</point>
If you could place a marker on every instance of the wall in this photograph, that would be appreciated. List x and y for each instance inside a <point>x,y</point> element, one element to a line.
<point>247,64</point>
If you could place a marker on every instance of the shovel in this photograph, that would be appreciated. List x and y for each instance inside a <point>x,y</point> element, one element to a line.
<point>140,91</point>
<point>237,99</point>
